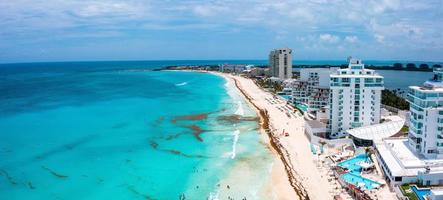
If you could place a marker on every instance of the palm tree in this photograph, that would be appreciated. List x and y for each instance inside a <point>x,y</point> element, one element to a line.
<point>322,143</point>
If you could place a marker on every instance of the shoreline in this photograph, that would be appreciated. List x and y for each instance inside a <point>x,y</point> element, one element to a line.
<point>298,174</point>
<point>293,152</point>
<point>275,144</point>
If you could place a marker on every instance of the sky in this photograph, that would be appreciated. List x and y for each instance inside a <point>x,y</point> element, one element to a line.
<point>82,30</point>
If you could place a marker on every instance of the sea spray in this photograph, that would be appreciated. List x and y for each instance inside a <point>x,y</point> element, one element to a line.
<point>214,196</point>
<point>234,143</point>
<point>181,84</point>
<point>240,110</point>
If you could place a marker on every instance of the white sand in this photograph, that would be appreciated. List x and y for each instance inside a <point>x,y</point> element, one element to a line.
<point>296,145</point>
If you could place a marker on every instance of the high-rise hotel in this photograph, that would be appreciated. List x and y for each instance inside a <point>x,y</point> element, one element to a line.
<point>355,95</point>
<point>426,119</point>
<point>280,63</point>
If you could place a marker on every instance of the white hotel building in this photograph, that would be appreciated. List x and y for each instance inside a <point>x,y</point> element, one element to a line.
<point>426,123</point>
<point>280,63</point>
<point>419,157</point>
<point>355,95</point>
<point>312,88</point>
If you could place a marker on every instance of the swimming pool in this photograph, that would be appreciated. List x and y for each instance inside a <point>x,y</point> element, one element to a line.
<point>358,180</point>
<point>286,97</point>
<point>302,107</point>
<point>421,193</point>
<point>352,164</point>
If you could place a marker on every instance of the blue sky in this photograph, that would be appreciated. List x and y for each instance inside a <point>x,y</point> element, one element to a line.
<point>64,30</point>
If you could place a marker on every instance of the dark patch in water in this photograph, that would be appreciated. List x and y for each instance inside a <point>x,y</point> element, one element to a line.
<point>99,180</point>
<point>194,117</point>
<point>56,174</point>
<point>158,121</point>
<point>65,147</point>
<point>120,125</point>
<point>5,150</point>
<point>31,186</point>
<point>236,118</point>
<point>154,145</point>
<point>8,177</point>
<point>196,131</point>
<point>171,137</point>
<point>147,197</point>
<point>179,153</point>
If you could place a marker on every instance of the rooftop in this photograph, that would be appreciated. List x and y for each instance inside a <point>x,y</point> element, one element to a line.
<point>403,161</point>
<point>387,129</point>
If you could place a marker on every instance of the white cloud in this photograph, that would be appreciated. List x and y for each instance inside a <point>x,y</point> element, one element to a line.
<point>329,38</point>
<point>351,39</point>
<point>401,24</point>
<point>106,9</point>
<point>379,38</point>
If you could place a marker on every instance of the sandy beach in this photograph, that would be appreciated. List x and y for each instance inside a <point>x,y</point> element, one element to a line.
<point>294,174</point>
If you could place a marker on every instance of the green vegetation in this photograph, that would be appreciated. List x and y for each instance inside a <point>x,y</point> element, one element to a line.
<point>295,75</point>
<point>276,87</point>
<point>407,191</point>
<point>404,129</point>
<point>390,98</point>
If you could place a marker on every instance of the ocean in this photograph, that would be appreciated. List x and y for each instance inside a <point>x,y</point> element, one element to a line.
<point>118,130</point>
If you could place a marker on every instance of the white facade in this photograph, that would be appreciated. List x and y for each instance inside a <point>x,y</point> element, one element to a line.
<point>401,164</point>
<point>355,96</point>
<point>312,88</point>
<point>426,117</point>
<point>280,63</point>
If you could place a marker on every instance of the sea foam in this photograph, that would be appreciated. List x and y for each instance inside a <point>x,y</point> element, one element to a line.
<point>234,143</point>
<point>181,84</point>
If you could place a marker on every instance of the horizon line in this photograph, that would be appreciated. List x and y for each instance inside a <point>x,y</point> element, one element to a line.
<point>152,60</point>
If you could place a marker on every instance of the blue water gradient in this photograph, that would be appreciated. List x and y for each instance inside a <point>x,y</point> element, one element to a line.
<point>111,132</point>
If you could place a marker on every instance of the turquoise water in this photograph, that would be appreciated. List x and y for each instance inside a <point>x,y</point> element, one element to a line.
<point>353,176</point>
<point>357,180</point>
<point>120,131</point>
<point>352,164</point>
<point>313,149</point>
<point>302,107</point>
<point>421,193</point>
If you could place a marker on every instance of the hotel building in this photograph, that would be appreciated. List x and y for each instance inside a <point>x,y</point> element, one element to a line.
<point>355,95</point>
<point>426,118</point>
<point>280,63</point>
<point>312,88</point>
<point>419,157</point>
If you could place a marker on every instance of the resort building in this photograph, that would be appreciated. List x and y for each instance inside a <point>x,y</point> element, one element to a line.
<point>234,68</point>
<point>402,164</point>
<point>426,118</point>
<point>419,157</point>
<point>312,88</point>
<point>355,95</point>
<point>280,63</point>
